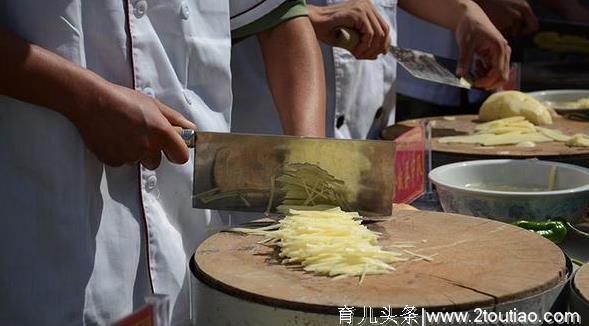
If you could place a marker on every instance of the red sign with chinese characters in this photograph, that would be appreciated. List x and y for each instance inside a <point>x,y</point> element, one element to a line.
<point>409,166</point>
<point>514,81</point>
<point>140,317</point>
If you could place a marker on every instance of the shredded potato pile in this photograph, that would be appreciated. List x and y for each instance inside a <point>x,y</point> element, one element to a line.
<point>328,241</point>
<point>316,234</point>
<point>581,103</point>
<point>515,131</point>
<point>309,185</point>
<point>578,140</point>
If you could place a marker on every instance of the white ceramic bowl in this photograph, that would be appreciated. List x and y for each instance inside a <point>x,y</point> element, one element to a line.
<point>458,188</point>
<point>560,95</point>
<point>556,97</point>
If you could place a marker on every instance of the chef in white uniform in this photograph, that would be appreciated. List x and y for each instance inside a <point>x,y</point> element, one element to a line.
<point>361,93</point>
<point>84,242</point>
<point>422,98</point>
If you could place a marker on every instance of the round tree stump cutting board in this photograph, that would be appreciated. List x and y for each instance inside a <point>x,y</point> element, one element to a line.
<point>581,282</point>
<point>579,300</point>
<point>463,124</point>
<point>476,263</point>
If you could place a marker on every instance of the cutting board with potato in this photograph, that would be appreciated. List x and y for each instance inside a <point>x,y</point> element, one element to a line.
<point>465,124</point>
<point>475,263</point>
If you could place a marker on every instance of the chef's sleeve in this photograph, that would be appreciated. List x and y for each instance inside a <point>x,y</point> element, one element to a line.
<point>254,16</point>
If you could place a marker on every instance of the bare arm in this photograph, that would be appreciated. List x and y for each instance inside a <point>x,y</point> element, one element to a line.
<point>294,68</point>
<point>475,34</point>
<point>514,17</point>
<point>118,124</point>
<point>445,14</point>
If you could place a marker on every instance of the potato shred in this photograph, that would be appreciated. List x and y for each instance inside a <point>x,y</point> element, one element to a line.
<point>327,241</point>
<point>516,131</point>
<point>307,184</point>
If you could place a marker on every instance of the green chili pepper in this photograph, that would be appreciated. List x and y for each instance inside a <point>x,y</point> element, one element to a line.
<point>554,231</point>
<point>576,261</point>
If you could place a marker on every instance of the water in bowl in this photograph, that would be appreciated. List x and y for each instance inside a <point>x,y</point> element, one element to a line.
<point>510,188</point>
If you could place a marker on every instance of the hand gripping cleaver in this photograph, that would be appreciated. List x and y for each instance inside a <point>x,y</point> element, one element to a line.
<point>419,64</point>
<point>245,172</point>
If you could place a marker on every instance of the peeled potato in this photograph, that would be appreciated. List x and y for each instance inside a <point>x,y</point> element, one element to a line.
<point>515,131</point>
<point>511,138</point>
<point>578,140</point>
<point>557,135</point>
<point>553,41</point>
<point>514,138</point>
<point>578,104</point>
<point>513,103</point>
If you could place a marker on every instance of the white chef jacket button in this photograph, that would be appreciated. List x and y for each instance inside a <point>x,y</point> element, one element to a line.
<point>187,97</point>
<point>340,121</point>
<point>149,91</point>
<point>140,8</point>
<point>151,182</point>
<point>184,10</point>
<point>378,113</point>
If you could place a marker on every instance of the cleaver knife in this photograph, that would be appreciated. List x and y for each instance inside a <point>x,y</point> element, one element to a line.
<point>419,64</point>
<point>241,172</point>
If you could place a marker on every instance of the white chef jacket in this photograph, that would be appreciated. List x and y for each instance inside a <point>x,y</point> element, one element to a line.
<point>356,89</point>
<point>84,243</point>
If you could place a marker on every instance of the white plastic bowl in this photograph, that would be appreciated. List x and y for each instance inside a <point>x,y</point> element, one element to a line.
<point>456,187</point>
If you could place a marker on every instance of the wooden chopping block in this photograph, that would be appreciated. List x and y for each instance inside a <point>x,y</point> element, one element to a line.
<point>476,263</point>
<point>579,299</point>
<point>581,282</point>
<point>464,124</point>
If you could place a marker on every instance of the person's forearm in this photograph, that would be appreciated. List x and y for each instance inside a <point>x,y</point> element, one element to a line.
<point>119,125</point>
<point>445,13</point>
<point>36,75</point>
<point>294,68</point>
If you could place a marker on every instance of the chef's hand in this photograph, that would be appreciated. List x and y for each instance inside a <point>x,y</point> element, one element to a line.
<point>476,34</point>
<point>360,15</point>
<point>125,126</point>
<point>513,17</point>
<point>118,124</point>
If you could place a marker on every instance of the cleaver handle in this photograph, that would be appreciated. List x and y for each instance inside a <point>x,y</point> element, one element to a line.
<point>346,38</point>
<point>188,135</point>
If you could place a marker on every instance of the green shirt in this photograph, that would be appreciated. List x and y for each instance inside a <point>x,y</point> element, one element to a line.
<point>288,10</point>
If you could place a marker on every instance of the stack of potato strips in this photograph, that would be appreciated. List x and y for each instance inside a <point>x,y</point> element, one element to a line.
<point>327,241</point>
<point>515,131</point>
